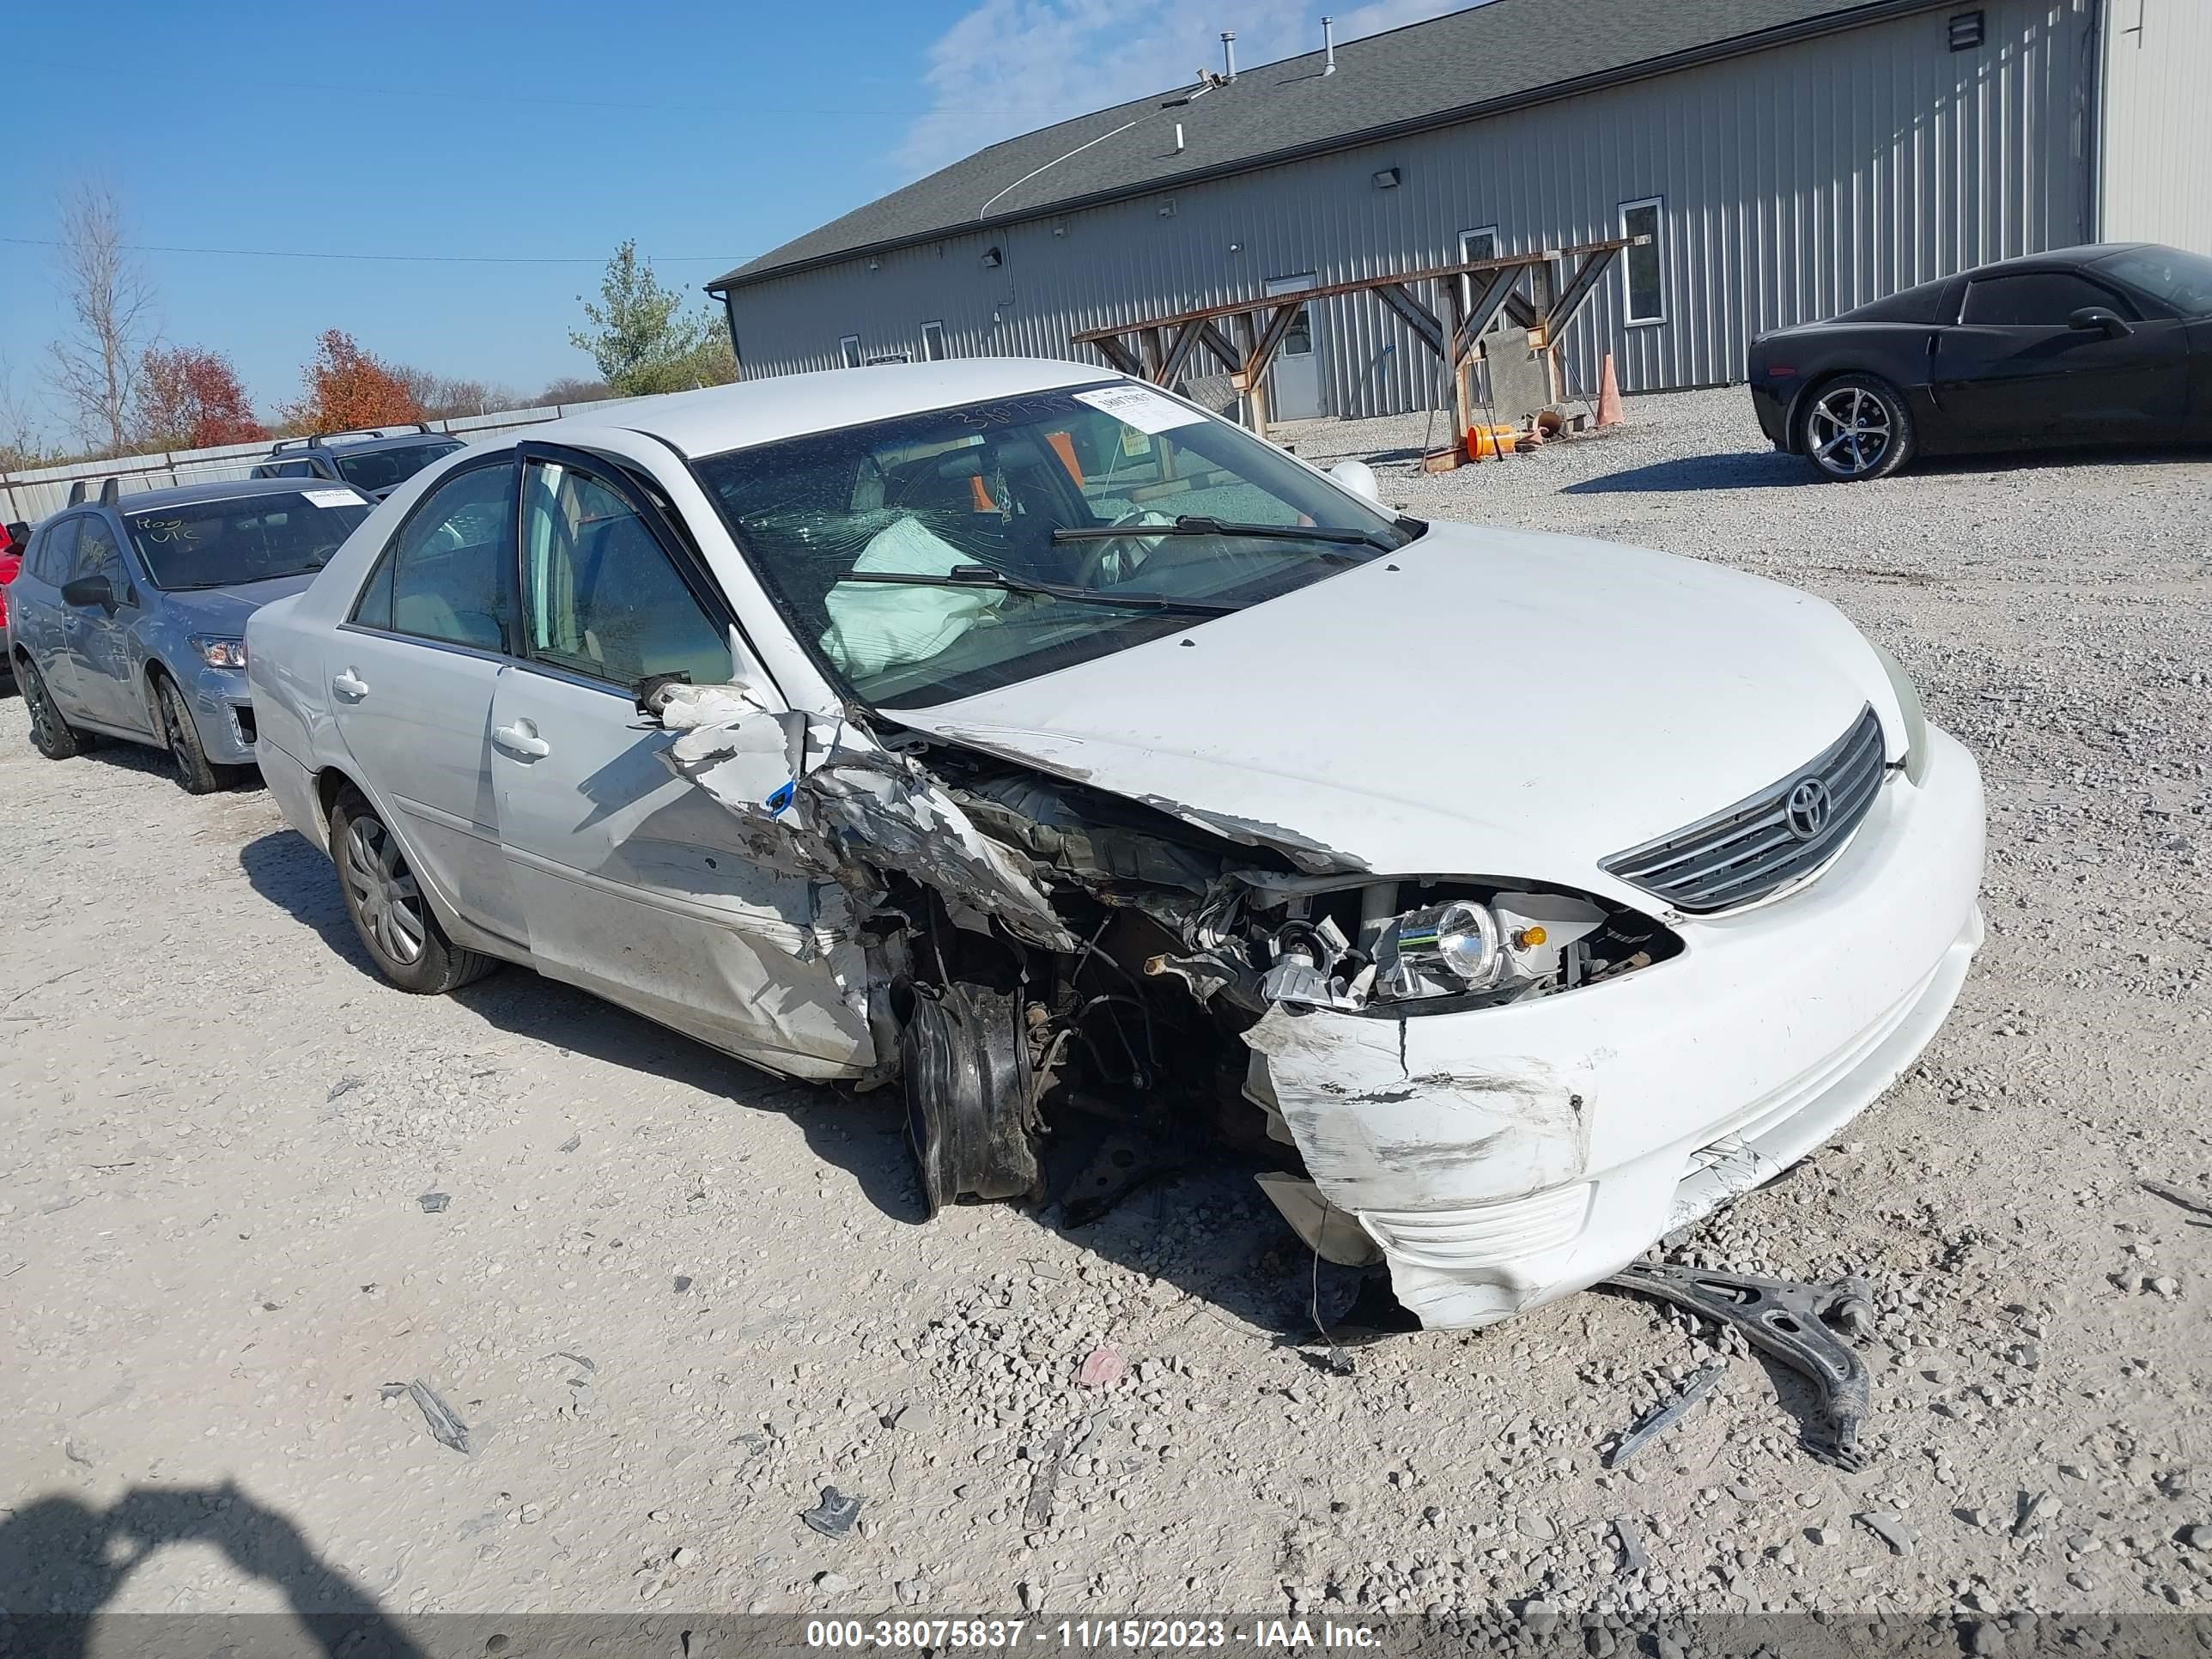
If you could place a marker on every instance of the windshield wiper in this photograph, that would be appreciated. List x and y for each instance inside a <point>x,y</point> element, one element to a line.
<point>985,575</point>
<point>1191,526</point>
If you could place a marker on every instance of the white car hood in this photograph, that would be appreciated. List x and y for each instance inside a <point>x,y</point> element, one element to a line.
<point>1483,703</point>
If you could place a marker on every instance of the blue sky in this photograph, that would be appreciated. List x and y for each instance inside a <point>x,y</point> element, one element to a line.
<point>547,131</point>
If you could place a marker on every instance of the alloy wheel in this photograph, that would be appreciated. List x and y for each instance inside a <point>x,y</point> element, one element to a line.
<point>178,756</point>
<point>1851,431</point>
<point>384,891</point>
<point>45,719</point>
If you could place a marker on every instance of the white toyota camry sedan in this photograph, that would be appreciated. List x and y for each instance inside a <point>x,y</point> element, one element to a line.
<point>1029,739</point>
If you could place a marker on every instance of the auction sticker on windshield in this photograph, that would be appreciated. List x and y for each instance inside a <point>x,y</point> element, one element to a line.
<point>1141,407</point>
<point>332,497</point>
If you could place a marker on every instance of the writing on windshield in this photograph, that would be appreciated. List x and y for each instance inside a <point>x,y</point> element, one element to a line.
<point>249,539</point>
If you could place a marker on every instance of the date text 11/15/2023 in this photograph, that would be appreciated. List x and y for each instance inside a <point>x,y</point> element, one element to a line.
<point>1125,1635</point>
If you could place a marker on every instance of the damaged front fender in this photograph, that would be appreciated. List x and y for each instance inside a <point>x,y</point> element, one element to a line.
<point>822,797</point>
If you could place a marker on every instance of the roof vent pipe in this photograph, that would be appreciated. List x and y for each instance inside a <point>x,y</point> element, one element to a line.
<point>1178,149</point>
<point>1228,54</point>
<point>1328,45</point>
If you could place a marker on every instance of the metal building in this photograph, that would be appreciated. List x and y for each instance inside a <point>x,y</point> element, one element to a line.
<point>1789,158</point>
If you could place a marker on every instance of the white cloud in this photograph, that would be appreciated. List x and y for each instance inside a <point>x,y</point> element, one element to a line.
<point>1011,66</point>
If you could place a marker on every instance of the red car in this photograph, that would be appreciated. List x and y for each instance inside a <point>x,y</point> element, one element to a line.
<point>13,539</point>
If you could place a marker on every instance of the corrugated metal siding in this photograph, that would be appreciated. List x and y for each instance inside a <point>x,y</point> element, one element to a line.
<point>2157,155</point>
<point>1798,181</point>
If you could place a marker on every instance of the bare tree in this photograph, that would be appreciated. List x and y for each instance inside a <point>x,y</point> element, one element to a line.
<point>110,300</point>
<point>21,443</point>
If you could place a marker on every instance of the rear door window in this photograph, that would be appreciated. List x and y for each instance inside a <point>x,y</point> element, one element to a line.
<point>449,573</point>
<point>51,555</point>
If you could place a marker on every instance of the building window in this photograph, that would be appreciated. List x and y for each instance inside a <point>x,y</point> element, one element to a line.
<point>1478,244</point>
<point>850,347</point>
<point>1641,265</point>
<point>932,343</point>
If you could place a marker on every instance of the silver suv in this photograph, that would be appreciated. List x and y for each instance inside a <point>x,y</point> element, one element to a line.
<point>375,460</point>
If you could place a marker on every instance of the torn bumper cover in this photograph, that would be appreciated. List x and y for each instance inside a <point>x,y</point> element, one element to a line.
<point>1499,1159</point>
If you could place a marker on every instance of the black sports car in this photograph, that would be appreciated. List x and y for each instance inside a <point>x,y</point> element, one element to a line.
<point>2110,344</point>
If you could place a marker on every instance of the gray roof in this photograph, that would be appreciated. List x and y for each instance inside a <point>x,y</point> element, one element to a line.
<point>212,489</point>
<point>1471,62</point>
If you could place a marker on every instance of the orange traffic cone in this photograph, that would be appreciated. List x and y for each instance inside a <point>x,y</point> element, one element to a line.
<point>1609,396</point>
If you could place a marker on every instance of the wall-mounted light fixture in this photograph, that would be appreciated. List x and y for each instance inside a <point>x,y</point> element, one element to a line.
<point>875,264</point>
<point>1388,179</point>
<point>992,258</point>
<point>1167,209</point>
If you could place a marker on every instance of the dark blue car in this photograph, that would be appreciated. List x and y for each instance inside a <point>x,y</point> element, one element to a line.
<point>128,619</point>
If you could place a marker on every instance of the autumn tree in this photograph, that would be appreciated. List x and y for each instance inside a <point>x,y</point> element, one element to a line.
<point>643,340</point>
<point>109,302</point>
<point>346,387</point>
<point>189,398</point>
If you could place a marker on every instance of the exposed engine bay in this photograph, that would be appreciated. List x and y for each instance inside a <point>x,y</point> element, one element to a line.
<point>1039,948</point>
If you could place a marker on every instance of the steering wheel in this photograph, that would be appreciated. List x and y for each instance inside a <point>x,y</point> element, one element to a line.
<point>1093,567</point>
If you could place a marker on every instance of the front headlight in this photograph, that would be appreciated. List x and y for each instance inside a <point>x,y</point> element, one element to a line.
<point>217,652</point>
<point>1454,945</point>
<point>1916,718</point>
<point>1458,943</point>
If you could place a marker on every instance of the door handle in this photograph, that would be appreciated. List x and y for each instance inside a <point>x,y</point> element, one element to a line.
<point>521,739</point>
<point>349,686</point>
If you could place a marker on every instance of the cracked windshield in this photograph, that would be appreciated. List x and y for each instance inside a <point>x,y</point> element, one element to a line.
<point>936,555</point>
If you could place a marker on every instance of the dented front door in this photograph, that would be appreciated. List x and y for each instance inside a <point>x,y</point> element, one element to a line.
<point>633,881</point>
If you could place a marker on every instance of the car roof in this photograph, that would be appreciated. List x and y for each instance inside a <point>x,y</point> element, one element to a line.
<point>217,490</point>
<point>723,417</point>
<point>2087,253</point>
<point>337,442</point>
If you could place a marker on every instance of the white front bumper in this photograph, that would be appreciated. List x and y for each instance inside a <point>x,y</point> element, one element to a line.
<point>1506,1157</point>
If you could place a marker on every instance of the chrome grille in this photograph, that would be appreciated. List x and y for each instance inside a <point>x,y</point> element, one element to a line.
<point>1751,849</point>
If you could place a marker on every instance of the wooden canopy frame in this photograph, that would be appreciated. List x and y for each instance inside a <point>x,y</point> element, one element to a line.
<point>1243,335</point>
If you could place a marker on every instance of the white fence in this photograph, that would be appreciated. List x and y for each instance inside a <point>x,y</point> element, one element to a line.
<point>32,494</point>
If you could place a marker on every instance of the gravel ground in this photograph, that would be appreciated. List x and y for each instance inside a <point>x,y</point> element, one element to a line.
<point>673,1300</point>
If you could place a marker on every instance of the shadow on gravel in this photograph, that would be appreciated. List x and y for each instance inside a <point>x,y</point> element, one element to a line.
<point>1753,469</point>
<point>1198,1222</point>
<point>285,869</point>
<point>1747,468</point>
<point>62,1560</point>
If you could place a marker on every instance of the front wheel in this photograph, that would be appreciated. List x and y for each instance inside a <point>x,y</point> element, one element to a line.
<point>390,911</point>
<point>195,774</point>
<point>1856,428</point>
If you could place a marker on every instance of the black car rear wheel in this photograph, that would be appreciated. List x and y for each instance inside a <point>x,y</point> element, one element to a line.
<point>1856,428</point>
<point>50,735</point>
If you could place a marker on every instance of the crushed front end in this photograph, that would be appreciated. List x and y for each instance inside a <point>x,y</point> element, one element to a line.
<point>1501,1089</point>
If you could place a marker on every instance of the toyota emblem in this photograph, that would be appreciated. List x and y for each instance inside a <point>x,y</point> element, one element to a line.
<point>1807,810</point>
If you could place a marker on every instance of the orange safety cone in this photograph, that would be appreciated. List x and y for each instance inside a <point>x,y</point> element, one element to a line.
<point>1609,396</point>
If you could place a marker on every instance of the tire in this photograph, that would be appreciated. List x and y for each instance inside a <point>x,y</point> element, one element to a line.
<point>50,735</point>
<point>1856,428</point>
<point>390,915</point>
<point>970,1113</point>
<point>195,774</point>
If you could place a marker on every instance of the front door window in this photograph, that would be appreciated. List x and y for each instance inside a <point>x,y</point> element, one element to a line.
<point>599,594</point>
